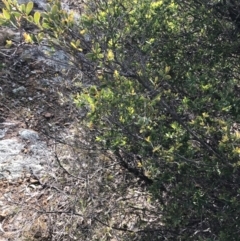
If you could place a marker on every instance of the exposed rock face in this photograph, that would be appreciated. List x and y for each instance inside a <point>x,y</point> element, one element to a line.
<point>40,4</point>
<point>29,99</point>
<point>22,153</point>
<point>59,60</point>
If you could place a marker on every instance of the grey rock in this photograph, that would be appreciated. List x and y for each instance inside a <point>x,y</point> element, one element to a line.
<point>19,91</point>
<point>2,132</point>
<point>29,135</point>
<point>40,4</point>
<point>14,162</point>
<point>58,60</point>
<point>4,127</point>
<point>9,148</point>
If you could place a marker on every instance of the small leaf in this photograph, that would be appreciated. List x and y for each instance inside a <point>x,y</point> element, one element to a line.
<point>6,4</point>
<point>48,7</point>
<point>6,14</point>
<point>16,14</point>
<point>100,56</point>
<point>167,69</point>
<point>8,43</point>
<point>73,45</point>
<point>40,37</point>
<point>139,164</point>
<point>156,149</point>
<point>27,38</point>
<point>204,114</point>
<point>30,18</point>
<point>29,7</point>
<point>82,32</point>
<point>22,8</point>
<point>148,139</point>
<point>110,55</point>
<point>237,134</point>
<point>90,56</point>
<point>110,177</point>
<point>44,15</point>
<point>174,125</point>
<point>168,77</point>
<point>225,138</point>
<point>237,150</point>
<point>36,17</point>
<point>54,9</point>
<point>78,43</point>
<point>45,25</point>
<point>116,74</point>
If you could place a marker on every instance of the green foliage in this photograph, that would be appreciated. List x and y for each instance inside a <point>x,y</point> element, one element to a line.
<point>54,23</point>
<point>168,94</point>
<point>167,90</point>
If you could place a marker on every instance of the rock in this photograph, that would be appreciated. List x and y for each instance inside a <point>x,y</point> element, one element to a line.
<point>8,148</point>
<point>9,151</point>
<point>19,91</point>
<point>48,115</point>
<point>29,135</point>
<point>3,132</point>
<point>39,4</point>
<point>14,162</point>
<point>57,60</point>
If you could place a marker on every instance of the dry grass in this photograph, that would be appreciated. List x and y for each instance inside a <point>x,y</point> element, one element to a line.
<point>86,195</point>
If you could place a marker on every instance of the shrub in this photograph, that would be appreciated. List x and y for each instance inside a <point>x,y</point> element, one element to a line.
<point>164,99</point>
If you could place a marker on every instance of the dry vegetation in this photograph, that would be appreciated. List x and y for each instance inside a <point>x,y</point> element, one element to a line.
<point>86,194</point>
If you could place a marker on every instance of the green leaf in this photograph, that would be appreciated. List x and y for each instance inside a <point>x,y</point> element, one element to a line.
<point>2,21</point>
<point>48,7</point>
<point>100,56</point>
<point>46,26</point>
<point>16,14</point>
<point>54,9</point>
<point>167,69</point>
<point>22,8</point>
<point>73,44</point>
<point>30,18</point>
<point>90,56</point>
<point>29,7</point>
<point>40,37</point>
<point>78,43</point>
<point>8,43</point>
<point>6,4</point>
<point>6,14</point>
<point>27,38</point>
<point>36,17</point>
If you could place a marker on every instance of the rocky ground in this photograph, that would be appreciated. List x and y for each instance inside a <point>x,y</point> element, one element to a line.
<point>34,115</point>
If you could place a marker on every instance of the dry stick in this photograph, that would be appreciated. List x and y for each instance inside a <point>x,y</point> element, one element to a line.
<point>133,170</point>
<point>60,164</point>
<point>101,222</point>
